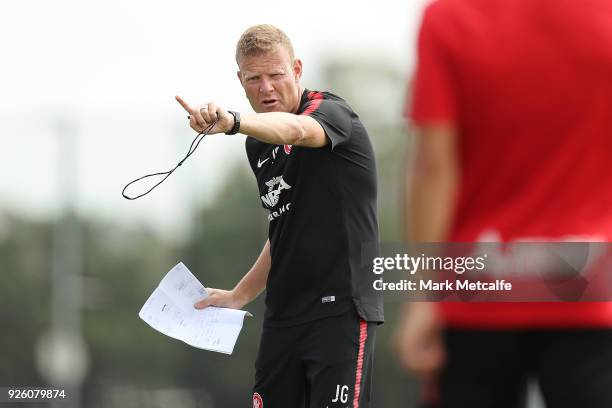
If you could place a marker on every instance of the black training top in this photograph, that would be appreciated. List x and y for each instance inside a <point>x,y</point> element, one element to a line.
<point>322,207</point>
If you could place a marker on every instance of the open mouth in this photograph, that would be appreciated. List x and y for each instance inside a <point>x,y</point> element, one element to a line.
<point>269,102</point>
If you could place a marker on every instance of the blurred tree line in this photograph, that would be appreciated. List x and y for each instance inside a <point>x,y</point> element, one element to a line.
<point>128,360</point>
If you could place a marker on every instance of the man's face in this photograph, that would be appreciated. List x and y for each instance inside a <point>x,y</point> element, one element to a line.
<point>271,81</point>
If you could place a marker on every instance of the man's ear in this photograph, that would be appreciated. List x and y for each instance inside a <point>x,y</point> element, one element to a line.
<point>297,69</point>
<point>239,75</point>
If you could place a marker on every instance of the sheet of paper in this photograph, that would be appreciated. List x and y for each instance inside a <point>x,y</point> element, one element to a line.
<point>170,311</point>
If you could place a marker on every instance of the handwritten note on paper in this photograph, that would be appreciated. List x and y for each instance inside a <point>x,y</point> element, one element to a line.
<point>170,311</point>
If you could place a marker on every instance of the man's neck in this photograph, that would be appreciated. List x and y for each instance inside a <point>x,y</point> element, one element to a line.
<point>299,99</point>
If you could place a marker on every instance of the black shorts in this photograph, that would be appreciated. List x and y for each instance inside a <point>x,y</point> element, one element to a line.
<point>573,368</point>
<point>323,363</point>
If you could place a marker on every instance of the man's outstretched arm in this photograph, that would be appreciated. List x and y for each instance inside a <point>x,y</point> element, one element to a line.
<point>249,287</point>
<point>270,127</point>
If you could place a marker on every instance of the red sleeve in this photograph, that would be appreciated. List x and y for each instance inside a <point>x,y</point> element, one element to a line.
<point>432,96</point>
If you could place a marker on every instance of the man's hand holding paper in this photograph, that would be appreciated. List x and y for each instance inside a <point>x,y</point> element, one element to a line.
<point>170,310</point>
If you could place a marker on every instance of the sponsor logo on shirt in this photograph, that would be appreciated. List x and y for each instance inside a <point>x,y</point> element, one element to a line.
<point>274,153</point>
<point>261,162</point>
<point>280,211</point>
<point>287,148</point>
<point>275,186</point>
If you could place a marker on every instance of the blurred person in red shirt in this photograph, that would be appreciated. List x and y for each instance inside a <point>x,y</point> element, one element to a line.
<point>511,111</point>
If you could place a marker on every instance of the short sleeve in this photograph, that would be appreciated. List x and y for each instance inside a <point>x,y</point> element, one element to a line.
<point>432,96</point>
<point>334,117</point>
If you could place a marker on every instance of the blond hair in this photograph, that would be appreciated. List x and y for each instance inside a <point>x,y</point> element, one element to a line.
<point>262,39</point>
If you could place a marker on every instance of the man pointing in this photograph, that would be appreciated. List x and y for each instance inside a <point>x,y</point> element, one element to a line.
<point>316,175</point>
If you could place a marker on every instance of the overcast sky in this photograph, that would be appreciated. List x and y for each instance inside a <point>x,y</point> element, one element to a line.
<point>109,71</point>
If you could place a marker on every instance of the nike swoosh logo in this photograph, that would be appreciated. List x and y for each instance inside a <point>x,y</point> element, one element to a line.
<point>260,163</point>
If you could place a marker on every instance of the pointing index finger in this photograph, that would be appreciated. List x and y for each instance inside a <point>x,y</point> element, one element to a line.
<point>183,104</point>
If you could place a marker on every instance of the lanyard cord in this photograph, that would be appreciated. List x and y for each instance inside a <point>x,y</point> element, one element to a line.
<point>192,149</point>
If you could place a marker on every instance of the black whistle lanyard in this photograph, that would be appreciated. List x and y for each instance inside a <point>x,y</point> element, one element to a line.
<point>166,174</point>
